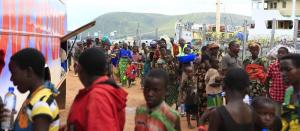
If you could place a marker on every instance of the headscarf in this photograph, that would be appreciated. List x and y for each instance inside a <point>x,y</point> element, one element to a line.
<point>105,39</point>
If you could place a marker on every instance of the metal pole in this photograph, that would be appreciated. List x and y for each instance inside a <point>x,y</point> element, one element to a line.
<point>272,41</point>
<point>244,39</point>
<point>296,26</point>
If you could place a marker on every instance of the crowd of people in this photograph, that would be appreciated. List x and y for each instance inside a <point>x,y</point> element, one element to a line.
<point>178,80</point>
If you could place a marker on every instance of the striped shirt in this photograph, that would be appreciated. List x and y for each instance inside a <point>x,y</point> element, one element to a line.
<point>40,102</point>
<point>163,118</point>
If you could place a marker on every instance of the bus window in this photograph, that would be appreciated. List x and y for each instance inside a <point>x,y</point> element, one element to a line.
<point>2,61</point>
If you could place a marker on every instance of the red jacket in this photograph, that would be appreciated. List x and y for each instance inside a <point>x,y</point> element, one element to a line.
<point>98,108</point>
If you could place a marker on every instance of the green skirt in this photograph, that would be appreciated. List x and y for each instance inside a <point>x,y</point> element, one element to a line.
<point>214,100</point>
<point>122,68</point>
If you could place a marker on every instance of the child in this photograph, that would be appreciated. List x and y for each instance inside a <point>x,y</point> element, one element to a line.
<point>156,115</point>
<point>189,88</point>
<point>40,110</point>
<point>213,85</point>
<point>265,114</point>
<point>236,115</point>
<point>131,72</point>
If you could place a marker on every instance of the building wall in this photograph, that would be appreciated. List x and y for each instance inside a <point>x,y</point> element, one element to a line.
<point>285,11</point>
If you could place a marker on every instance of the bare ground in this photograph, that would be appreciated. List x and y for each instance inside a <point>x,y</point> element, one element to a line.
<point>135,98</point>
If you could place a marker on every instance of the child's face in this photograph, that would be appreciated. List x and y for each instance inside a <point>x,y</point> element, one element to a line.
<point>265,116</point>
<point>19,77</point>
<point>189,71</point>
<point>154,91</point>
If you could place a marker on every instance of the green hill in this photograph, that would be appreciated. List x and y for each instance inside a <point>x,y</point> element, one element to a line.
<point>126,23</point>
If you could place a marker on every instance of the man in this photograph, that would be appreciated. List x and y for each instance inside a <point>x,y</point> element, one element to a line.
<point>39,111</point>
<point>277,87</point>
<point>182,45</point>
<point>231,60</point>
<point>156,115</point>
<point>101,104</point>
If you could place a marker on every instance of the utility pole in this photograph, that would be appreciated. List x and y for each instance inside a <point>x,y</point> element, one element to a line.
<point>296,27</point>
<point>218,18</point>
<point>272,41</point>
<point>294,9</point>
<point>137,35</point>
<point>204,34</point>
<point>244,40</point>
<point>156,33</point>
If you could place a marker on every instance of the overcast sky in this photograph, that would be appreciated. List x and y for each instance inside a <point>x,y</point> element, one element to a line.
<point>81,12</point>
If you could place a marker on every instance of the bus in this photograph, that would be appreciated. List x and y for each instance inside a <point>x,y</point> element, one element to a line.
<point>39,24</point>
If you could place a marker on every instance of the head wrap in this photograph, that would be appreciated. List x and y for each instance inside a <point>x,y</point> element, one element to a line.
<point>213,45</point>
<point>253,44</point>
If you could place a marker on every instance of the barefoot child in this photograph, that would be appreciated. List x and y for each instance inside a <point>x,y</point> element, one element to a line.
<point>189,87</point>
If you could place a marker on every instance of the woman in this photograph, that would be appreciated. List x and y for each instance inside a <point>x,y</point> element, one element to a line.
<point>115,61</point>
<point>124,55</point>
<point>254,66</point>
<point>290,70</point>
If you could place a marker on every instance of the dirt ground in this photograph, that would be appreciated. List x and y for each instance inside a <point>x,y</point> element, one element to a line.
<point>135,98</point>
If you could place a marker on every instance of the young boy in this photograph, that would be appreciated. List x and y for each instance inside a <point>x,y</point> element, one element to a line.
<point>101,104</point>
<point>39,111</point>
<point>265,114</point>
<point>213,85</point>
<point>191,99</point>
<point>156,115</point>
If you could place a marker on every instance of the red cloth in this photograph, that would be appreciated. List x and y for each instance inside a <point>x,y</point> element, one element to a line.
<point>175,50</point>
<point>99,107</point>
<point>131,71</point>
<point>277,87</point>
<point>256,72</point>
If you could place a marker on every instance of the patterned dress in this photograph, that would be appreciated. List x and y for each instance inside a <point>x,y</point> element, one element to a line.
<point>200,75</point>
<point>291,111</point>
<point>172,90</point>
<point>256,70</point>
